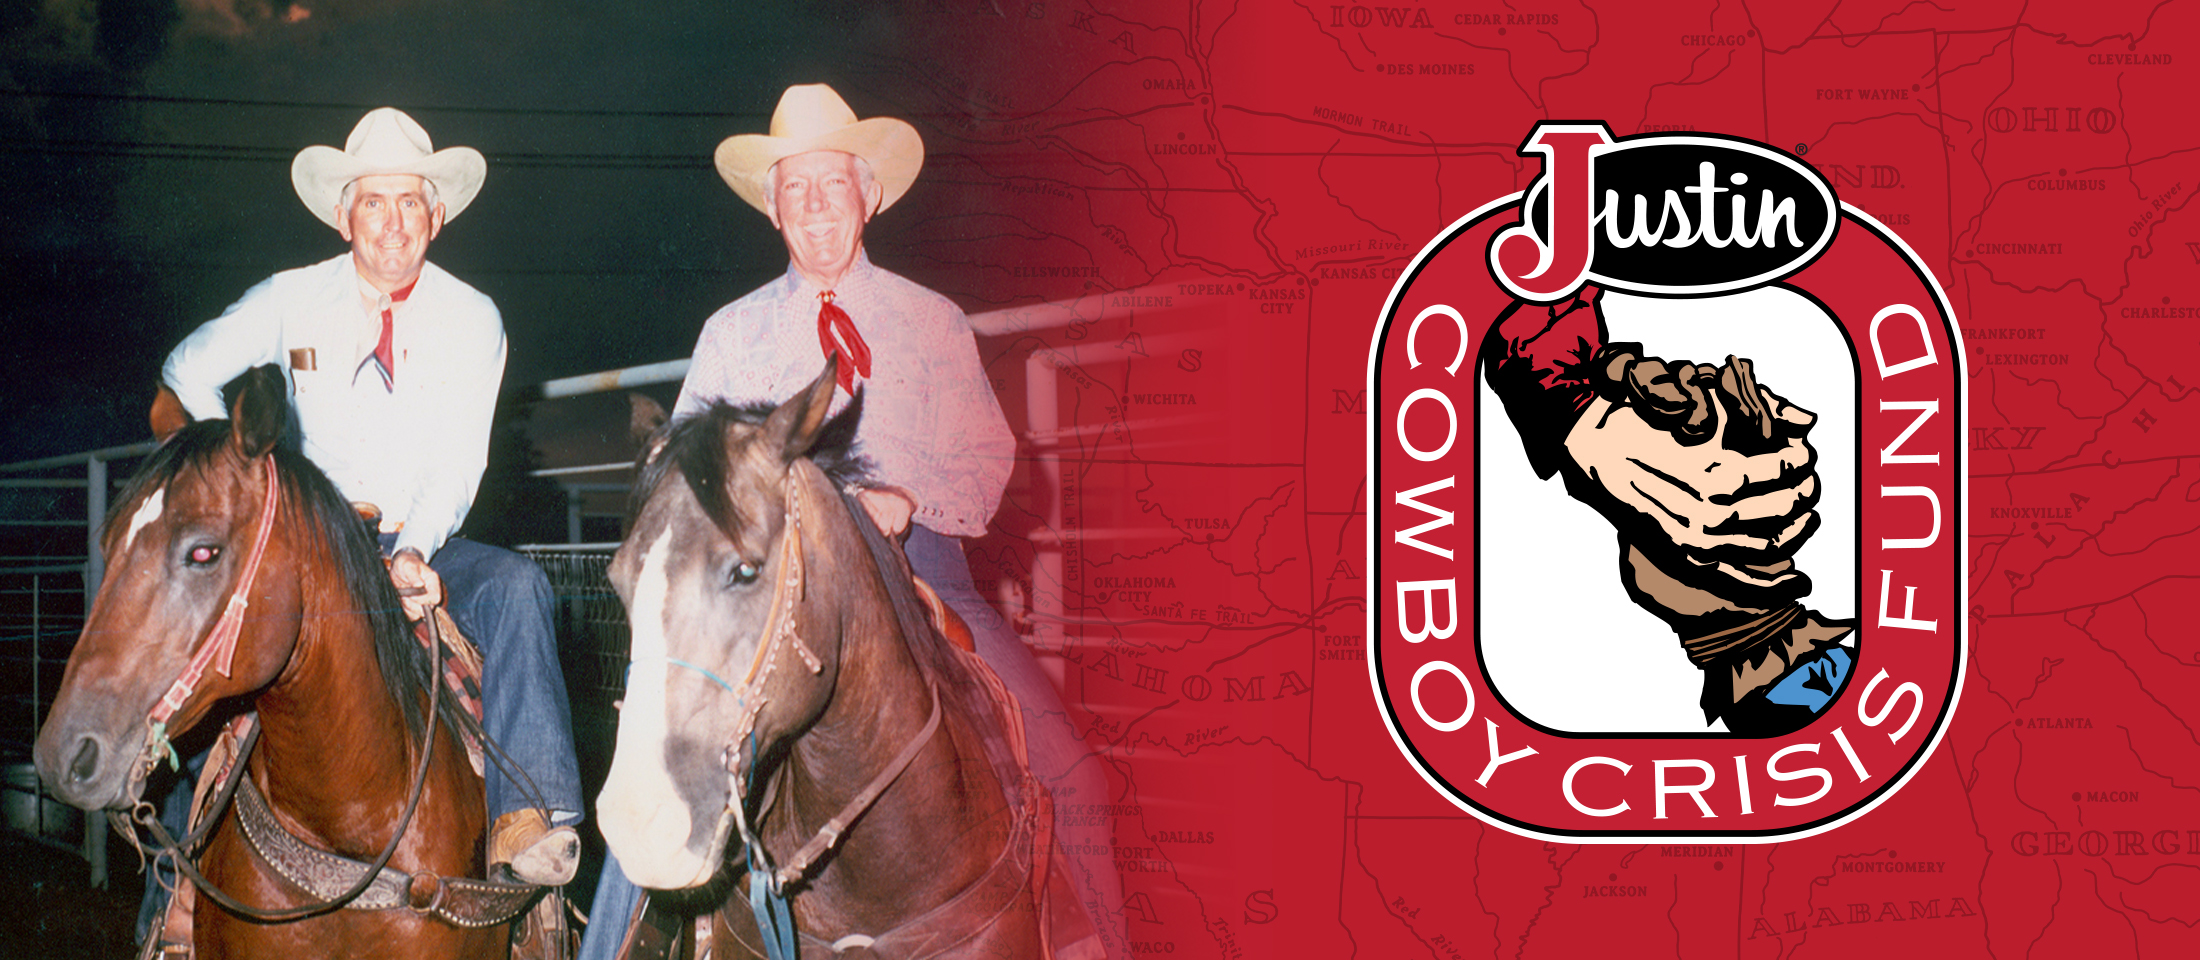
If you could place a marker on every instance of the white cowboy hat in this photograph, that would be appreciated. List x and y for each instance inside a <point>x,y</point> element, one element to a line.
<point>813,117</point>
<point>386,141</point>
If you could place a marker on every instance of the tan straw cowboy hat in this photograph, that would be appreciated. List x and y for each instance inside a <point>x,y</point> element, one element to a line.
<point>386,141</point>
<point>813,117</point>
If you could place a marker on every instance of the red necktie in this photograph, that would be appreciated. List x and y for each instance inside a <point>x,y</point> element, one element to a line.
<point>837,334</point>
<point>382,353</point>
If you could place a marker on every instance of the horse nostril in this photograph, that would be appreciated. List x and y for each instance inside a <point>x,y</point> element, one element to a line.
<point>86,765</point>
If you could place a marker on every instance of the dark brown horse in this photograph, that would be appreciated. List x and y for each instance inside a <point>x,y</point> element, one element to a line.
<point>779,698</point>
<point>321,652</point>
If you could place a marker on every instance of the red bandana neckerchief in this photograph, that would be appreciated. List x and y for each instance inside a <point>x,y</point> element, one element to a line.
<point>837,334</point>
<point>382,353</point>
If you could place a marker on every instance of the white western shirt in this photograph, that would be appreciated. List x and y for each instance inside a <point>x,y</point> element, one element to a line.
<point>417,451</point>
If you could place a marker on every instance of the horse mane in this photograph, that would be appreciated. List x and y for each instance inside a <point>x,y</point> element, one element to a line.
<point>696,444</point>
<point>328,521</point>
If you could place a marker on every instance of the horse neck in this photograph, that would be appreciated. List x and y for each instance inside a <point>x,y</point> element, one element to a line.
<point>880,698</point>
<point>334,754</point>
<point>880,703</point>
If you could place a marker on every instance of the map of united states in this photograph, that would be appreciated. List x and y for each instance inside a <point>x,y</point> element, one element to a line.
<point>1176,228</point>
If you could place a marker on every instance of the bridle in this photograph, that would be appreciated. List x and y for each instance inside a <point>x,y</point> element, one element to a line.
<point>768,886</point>
<point>218,650</point>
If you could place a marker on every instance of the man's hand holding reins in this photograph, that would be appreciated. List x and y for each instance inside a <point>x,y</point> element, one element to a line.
<point>889,508</point>
<point>419,589</point>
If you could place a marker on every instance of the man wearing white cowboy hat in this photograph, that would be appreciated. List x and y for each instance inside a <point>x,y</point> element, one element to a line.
<point>931,425</point>
<point>394,367</point>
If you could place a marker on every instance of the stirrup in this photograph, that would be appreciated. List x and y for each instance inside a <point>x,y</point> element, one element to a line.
<point>543,933</point>
<point>159,945</point>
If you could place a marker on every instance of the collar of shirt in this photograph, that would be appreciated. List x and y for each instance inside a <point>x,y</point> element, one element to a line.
<point>859,275</point>
<point>374,300</point>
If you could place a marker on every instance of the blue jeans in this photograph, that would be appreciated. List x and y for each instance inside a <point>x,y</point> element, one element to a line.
<point>616,897</point>
<point>502,602</point>
<point>1059,758</point>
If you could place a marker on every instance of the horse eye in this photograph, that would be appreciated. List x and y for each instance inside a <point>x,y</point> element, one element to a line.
<point>745,573</point>
<point>203,555</point>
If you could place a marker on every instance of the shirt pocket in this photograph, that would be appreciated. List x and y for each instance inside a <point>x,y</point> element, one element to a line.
<point>319,375</point>
<point>308,370</point>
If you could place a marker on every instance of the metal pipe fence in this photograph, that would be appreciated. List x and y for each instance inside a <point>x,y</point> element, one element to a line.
<point>50,566</point>
<point>591,622</point>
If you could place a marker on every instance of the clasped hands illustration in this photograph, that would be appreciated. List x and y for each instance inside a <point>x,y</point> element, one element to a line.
<point>1710,482</point>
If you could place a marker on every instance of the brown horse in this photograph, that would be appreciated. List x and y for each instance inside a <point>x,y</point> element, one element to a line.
<point>779,697</point>
<point>321,652</point>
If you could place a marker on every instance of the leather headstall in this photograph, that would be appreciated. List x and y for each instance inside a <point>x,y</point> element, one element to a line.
<point>220,646</point>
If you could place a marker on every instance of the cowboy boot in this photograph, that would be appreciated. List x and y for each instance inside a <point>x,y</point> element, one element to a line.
<point>536,851</point>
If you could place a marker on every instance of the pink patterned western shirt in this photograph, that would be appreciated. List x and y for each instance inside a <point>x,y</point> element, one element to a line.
<point>931,424</point>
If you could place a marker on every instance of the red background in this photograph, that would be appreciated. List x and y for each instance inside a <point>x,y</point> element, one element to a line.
<point>1190,156</point>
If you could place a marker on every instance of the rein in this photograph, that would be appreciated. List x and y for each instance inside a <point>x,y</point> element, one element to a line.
<point>218,652</point>
<point>992,896</point>
<point>145,815</point>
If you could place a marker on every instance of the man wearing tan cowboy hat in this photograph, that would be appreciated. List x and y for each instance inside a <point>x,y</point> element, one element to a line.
<point>394,367</point>
<point>931,426</point>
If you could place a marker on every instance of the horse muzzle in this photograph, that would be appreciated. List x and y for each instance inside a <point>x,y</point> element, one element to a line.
<point>90,769</point>
<point>657,840</point>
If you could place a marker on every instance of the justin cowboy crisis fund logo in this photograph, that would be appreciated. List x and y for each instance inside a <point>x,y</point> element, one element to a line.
<point>1666,515</point>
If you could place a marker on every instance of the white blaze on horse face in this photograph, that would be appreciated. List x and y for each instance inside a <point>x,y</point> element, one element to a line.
<point>147,512</point>
<point>644,820</point>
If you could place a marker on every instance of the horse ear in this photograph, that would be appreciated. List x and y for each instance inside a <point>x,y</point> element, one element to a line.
<point>645,417</point>
<point>256,417</point>
<point>796,422</point>
<point>167,415</point>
